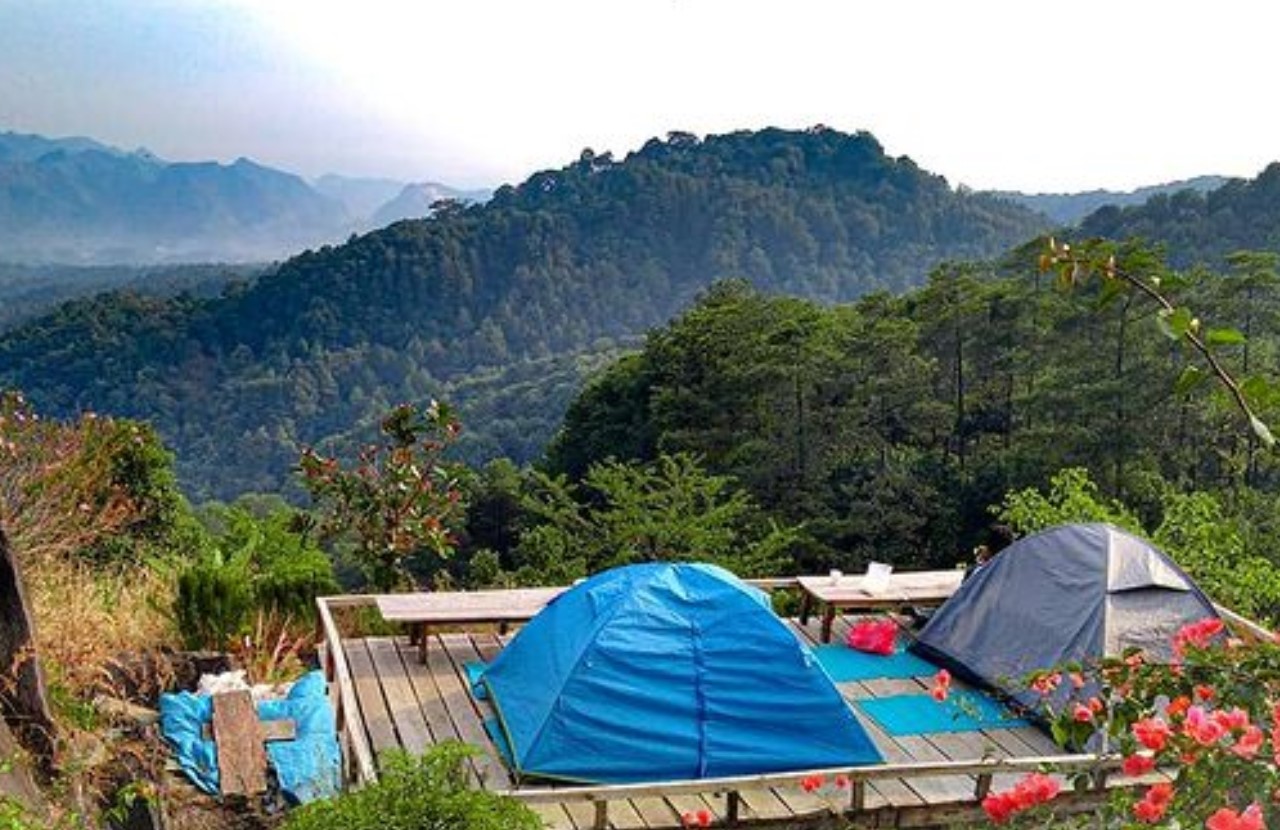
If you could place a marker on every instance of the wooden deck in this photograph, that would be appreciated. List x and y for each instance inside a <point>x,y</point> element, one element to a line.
<point>397,700</point>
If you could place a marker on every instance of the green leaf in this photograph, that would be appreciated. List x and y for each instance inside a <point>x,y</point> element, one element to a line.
<point>1112,289</point>
<point>1262,431</point>
<point>1224,337</point>
<point>1191,377</point>
<point>1175,324</point>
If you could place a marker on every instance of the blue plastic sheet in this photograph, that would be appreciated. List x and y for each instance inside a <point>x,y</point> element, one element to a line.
<point>963,711</point>
<point>475,678</point>
<point>846,664</point>
<point>307,767</point>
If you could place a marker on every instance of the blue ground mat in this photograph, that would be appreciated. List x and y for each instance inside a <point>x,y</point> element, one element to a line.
<point>964,711</point>
<point>474,672</point>
<point>845,664</point>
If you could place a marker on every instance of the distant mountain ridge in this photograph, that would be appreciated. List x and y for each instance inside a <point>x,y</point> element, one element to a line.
<point>571,262</point>
<point>1201,227</point>
<point>1070,208</point>
<point>416,201</point>
<point>379,202</point>
<point>75,200</point>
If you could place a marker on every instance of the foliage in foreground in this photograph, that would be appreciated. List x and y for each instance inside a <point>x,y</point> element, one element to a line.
<point>1212,718</point>
<point>424,793</point>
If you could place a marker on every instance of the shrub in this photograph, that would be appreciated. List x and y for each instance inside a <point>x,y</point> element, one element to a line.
<point>214,600</point>
<point>424,793</point>
<point>259,565</point>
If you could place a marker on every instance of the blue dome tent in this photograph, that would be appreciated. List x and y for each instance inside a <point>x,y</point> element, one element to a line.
<point>667,672</point>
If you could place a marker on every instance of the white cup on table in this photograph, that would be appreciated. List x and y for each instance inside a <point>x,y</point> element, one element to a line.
<point>878,576</point>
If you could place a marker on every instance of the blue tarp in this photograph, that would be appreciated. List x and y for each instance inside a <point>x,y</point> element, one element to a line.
<point>667,671</point>
<point>846,664</point>
<point>965,710</point>
<point>307,767</point>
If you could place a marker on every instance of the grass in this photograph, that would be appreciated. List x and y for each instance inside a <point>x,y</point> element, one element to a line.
<point>87,617</point>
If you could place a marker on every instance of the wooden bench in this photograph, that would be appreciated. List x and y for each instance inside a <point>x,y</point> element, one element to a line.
<point>850,593</point>
<point>420,611</point>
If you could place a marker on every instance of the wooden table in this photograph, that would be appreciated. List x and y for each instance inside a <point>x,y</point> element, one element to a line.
<point>850,593</point>
<point>419,611</point>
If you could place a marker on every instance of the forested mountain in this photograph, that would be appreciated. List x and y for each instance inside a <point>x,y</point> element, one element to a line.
<point>886,428</point>
<point>570,262</point>
<point>27,291</point>
<point>1069,208</point>
<point>1199,227</point>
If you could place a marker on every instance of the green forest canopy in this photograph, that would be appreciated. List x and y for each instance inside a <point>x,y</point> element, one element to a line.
<point>544,276</point>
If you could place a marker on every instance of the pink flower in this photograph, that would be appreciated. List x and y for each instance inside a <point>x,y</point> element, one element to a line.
<point>1136,765</point>
<point>1153,733</point>
<point>1154,804</point>
<point>1204,729</point>
<point>811,783</point>
<point>1199,634</point>
<point>1235,720</point>
<point>1248,744</point>
<point>1035,788</point>
<point>1081,713</point>
<point>1227,819</point>
<point>1149,811</point>
<point>941,685</point>
<point>1045,684</point>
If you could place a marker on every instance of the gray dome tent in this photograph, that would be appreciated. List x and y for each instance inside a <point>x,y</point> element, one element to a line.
<point>1071,593</point>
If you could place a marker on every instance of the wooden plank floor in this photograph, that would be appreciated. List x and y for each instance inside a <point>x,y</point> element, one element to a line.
<point>408,703</point>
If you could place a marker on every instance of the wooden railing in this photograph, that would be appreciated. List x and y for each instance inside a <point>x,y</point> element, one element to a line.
<point>1097,766</point>
<point>357,755</point>
<point>360,768</point>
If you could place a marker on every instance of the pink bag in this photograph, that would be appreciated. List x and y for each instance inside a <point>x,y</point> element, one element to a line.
<point>873,636</point>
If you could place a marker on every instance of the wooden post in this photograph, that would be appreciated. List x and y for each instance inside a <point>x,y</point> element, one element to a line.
<point>983,787</point>
<point>857,795</point>
<point>240,739</point>
<point>828,619</point>
<point>602,816</point>
<point>732,802</point>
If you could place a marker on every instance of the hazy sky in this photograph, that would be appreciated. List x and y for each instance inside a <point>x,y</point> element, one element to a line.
<point>1013,94</point>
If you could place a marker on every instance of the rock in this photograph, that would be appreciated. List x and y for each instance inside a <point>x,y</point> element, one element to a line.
<point>26,707</point>
<point>122,710</point>
<point>17,780</point>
